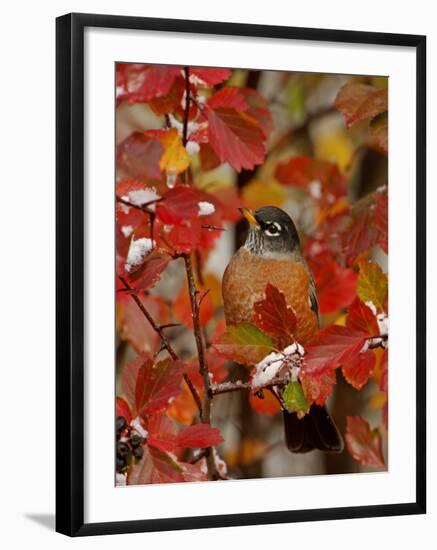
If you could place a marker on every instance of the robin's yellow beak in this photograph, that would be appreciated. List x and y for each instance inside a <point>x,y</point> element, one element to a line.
<point>248,214</point>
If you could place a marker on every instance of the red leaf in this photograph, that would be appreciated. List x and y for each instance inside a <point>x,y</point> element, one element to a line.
<point>358,369</point>
<point>135,328</point>
<point>178,204</point>
<point>273,315</point>
<point>359,236</point>
<point>305,171</point>
<point>182,308</point>
<point>149,273</point>
<point>155,467</point>
<point>210,77</point>
<point>383,382</point>
<point>122,409</point>
<point>381,219</point>
<point>199,436</point>
<point>138,157</point>
<point>268,405</point>
<point>129,377</point>
<point>193,472</point>
<point>236,138</point>
<point>332,347</point>
<point>228,97</point>
<point>157,385</point>
<point>360,101</point>
<point>363,443</point>
<point>145,82</point>
<point>185,238</point>
<point>361,317</point>
<point>171,101</point>
<point>336,287</point>
<point>208,159</point>
<point>162,433</point>
<point>258,109</point>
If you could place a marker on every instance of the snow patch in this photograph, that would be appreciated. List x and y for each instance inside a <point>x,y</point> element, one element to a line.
<point>140,197</point>
<point>315,189</point>
<point>137,427</point>
<point>205,208</point>
<point>127,230</point>
<point>138,250</point>
<point>382,320</point>
<point>372,306</point>
<point>192,147</point>
<point>220,464</point>
<point>120,480</point>
<point>171,179</point>
<point>267,369</point>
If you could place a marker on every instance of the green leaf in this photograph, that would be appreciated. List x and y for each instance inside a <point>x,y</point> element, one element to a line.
<point>294,399</point>
<point>372,284</point>
<point>245,344</point>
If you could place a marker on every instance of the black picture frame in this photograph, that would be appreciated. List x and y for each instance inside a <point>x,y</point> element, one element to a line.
<point>70,273</point>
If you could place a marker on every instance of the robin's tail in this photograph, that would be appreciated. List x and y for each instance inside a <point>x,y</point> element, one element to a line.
<point>316,430</point>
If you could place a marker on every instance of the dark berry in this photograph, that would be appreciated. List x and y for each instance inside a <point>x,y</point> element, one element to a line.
<point>138,452</point>
<point>136,440</point>
<point>120,423</point>
<point>122,449</point>
<point>120,465</point>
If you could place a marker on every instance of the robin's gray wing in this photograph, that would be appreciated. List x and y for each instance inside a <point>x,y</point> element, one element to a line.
<point>314,304</point>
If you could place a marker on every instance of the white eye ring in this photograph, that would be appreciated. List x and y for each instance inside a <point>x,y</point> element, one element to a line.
<point>277,226</point>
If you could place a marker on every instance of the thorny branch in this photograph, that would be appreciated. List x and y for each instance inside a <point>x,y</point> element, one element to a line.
<point>159,329</point>
<point>373,342</point>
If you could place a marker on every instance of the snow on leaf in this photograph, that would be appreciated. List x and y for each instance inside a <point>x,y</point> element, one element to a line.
<point>267,369</point>
<point>199,436</point>
<point>244,343</point>
<point>273,315</point>
<point>228,97</point>
<point>372,283</point>
<point>236,138</point>
<point>156,385</point>
<point>138,250</point>
<point>210,77</point>
<point>175,158</point>
<point>364,444</point>
<point>178,204</point>
<point>206,208</point>
<point>155,467</point>
<point>359,101</point>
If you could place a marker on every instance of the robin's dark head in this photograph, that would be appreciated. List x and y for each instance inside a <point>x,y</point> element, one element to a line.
<point>271,231</point>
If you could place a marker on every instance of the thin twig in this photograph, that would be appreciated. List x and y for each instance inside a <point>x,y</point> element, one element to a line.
<point>203,365</point>
<point>142,207</point>
<point>165,344</point>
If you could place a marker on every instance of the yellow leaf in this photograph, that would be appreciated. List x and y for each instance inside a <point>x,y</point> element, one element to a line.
<point>334,146</point>
<point>378,400</point>
<point>372,283</point>
<point>175,158</point>
<point>259,193</point>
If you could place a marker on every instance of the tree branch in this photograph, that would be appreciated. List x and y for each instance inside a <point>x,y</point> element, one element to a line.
<point>203,365</point>
<point>165,343</point>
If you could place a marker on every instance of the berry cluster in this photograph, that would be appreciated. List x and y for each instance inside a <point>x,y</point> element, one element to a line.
<point>129,445</point>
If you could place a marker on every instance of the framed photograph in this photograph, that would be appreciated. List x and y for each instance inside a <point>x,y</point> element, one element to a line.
<point>240,274</point>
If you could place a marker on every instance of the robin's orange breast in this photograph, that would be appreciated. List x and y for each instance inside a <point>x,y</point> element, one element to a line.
<point>245,281</point>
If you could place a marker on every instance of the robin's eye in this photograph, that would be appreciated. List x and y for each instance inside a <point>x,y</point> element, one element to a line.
<point>272,229</point>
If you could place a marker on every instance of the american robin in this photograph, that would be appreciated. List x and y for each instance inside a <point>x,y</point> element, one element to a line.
<point>272,254</point>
